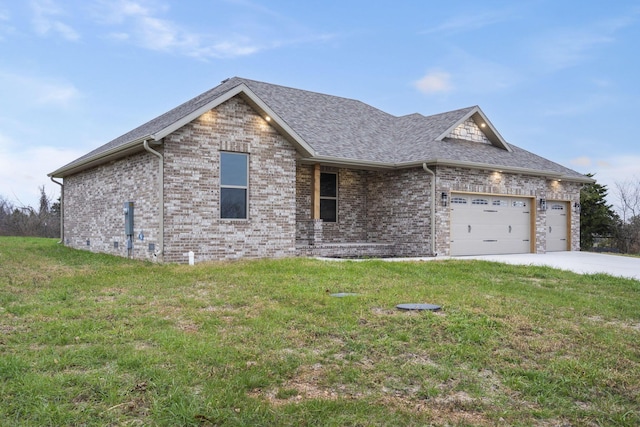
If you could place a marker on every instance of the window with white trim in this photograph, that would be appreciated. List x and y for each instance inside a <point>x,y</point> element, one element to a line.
<point>329,197</point>
<point>234,185</point>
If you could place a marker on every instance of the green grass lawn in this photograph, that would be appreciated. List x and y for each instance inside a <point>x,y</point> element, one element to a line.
<point>89,339</point>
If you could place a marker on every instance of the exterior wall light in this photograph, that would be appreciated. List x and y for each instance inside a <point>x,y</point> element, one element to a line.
<point>577,207</point>
<point>542,204</point>
<point>444,198</point>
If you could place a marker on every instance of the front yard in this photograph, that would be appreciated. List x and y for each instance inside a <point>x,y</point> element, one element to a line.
<point>89,339</point>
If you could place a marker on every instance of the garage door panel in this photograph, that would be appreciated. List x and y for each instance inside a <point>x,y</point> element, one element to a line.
<point>557,237</point>
<point>489,225</point>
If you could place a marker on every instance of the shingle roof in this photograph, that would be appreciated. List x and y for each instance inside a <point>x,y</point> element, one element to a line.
<point>349,130</point>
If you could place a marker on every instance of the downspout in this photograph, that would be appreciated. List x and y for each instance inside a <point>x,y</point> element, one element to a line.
<point>161,196</point>
<point>61,208</point>
<point>433,208</point>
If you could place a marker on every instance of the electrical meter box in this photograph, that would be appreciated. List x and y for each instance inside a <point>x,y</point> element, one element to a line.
<point>128,218</point>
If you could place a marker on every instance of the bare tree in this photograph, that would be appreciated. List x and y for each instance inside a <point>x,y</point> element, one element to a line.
<point>628,195</point>
<point>6,210</point>
<point>28,221</point>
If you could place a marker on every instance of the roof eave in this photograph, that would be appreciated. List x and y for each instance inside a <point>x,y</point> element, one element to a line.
<point>509,169</point>
<point>132,146</point>
<point>100,158</point>
<point>373,165</point>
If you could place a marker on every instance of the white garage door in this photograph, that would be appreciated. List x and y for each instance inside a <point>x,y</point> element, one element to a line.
<point>557,238</point>
<point>485,225</point>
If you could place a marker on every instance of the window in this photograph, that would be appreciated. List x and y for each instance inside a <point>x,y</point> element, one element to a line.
<point>234,185</point>
<point>458,201</point>
<point>329,197</point>
<point>556,207</point>
<point>479,202</point>
<point>519,204</point>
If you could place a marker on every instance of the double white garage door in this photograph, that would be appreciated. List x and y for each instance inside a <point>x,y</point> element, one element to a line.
<point>485,225</point>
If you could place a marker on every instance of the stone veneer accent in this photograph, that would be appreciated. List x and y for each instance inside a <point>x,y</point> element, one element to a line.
<point>469,131</point>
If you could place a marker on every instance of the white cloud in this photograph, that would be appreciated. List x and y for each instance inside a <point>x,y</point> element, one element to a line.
<point>567,47</point>
<point>142,23</point>
<point>5,26</point>
<point>22,171</point>
<point>45,20</point>
<point>583,161</point>
<point>434,82</point>
<point>23,90</point>
<point>145,28</point>
<point>470,22</point>
<point>487,76</point>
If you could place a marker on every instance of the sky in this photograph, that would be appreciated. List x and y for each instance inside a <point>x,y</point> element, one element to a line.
<point>558,78</point>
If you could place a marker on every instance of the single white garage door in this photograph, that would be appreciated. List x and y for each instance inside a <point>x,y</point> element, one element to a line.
<point>486,225</point>
<point>557,220</point>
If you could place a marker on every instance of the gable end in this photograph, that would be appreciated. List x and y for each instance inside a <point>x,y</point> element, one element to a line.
<point>469,131</point>
<point>475,126</point>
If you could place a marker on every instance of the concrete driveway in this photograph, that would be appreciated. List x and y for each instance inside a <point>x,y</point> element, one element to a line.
<point>578,262</point>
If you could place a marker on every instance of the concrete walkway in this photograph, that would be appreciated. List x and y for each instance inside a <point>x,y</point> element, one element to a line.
<point>578,262</point>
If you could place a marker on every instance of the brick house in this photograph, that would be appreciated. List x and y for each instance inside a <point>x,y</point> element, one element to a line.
<point>251,169</point>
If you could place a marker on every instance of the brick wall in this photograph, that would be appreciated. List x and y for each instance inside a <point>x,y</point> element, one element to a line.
<point>388,210</point>
<point>398,210</point>
<point>352,203</point>
<point>94,198</point>
<point>192,193</point>
<point>93,206</point>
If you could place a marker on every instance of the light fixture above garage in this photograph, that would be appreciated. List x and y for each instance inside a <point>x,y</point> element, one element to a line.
<point>444,198</point>
<point>542,204</point>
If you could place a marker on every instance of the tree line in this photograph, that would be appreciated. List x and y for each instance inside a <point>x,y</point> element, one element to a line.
<point>40,221</point>
<point>604,229</point>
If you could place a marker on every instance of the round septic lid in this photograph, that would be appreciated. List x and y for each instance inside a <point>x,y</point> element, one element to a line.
<point>431,307</point>
<point>344,294</point>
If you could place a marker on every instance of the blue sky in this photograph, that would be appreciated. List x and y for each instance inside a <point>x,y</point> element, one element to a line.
<point>558,78</point>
